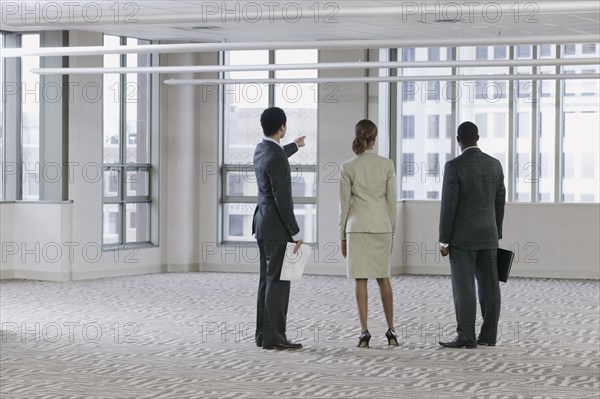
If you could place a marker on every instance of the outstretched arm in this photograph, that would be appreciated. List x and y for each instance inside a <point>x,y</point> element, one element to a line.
<point>292,148</point>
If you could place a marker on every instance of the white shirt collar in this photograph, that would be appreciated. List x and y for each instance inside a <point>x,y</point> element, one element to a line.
<point>468,148</point>
<point>273,140</point>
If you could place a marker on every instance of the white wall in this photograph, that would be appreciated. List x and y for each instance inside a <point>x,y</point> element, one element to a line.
<point>549,240</point>
<point>190,129</point>
<point>36,241</point>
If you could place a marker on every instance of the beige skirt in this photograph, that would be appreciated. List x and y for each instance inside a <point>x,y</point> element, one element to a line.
<point>368,255</point>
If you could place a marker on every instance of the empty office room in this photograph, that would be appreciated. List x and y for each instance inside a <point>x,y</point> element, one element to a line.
<point>299,199</point>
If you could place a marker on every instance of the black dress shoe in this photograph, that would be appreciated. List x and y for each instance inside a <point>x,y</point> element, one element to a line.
<point>485,343</point>
<point>283,345</point>
<point>459,344</point>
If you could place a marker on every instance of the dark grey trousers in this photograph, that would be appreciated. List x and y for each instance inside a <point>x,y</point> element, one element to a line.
<point>273,295</point>
<point>464,266</point>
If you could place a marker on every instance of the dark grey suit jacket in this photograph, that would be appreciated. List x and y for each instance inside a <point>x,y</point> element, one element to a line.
<point>473,198</point>
<point>274,218</point>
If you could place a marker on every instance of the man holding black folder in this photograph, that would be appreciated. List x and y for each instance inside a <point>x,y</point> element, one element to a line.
<point>472,210</point>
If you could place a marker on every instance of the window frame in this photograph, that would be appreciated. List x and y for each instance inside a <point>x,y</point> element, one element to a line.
<point>552,185</point>
<point>121,168</point>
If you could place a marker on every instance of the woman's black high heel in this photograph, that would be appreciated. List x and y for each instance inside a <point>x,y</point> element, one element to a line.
<point>391,337</point>
<point>363,340</point>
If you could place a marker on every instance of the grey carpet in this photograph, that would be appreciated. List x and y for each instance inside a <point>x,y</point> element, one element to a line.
<point>191,336</point>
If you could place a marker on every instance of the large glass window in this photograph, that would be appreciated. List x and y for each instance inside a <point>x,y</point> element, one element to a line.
<point>524,168</point>
<point>424,108</point>
<point>546,128</point>
<point>127,168</point>
<point>581,124</point>
<point>485,103</point>
<point>2,80</point>
<point>30,121</point>
<point>243,105</point>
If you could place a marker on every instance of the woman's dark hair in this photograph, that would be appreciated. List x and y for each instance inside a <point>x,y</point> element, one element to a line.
<point>271,120</point>
<point>365,133</point>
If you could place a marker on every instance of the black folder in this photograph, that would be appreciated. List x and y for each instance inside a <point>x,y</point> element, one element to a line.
<point>505,260</point>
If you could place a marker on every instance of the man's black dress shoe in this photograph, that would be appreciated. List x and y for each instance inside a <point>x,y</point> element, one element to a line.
<point>485,343</point>
<point>283,345</point>
<point>459,344</point>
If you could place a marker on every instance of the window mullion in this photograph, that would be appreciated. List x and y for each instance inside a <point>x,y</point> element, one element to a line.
<point>454,104</point>
<point>122,149</point>
<point>272,61</point>
<point>13,146</point>
<point>558,131</point>
<point>535,148</point>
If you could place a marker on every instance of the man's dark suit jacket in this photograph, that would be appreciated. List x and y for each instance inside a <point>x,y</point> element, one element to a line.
<point>274,218</point>
<point>473,197</point>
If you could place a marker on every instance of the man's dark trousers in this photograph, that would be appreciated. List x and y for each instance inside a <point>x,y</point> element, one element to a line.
<point>464,266</point>
<point>273,294</point>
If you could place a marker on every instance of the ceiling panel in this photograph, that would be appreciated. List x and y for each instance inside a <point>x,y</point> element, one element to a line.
<point>238,21</point>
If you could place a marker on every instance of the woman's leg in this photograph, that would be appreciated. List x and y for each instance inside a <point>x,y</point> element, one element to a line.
<point>362,300</point>
<point>387,299</point>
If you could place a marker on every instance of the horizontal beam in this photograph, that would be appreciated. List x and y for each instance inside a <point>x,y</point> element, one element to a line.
<point>317,66</point>
<point>295,45</point>
<point>380,79</point>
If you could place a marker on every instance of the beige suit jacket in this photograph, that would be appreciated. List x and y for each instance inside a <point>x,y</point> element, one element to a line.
<point>367,195</point>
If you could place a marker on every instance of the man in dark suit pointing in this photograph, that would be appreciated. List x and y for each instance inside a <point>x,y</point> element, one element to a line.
<point>471,215</point>
<point>274,225</point>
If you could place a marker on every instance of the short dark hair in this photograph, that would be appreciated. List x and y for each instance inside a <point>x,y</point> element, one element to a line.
<point>468,132</point>
<point>271,120</point>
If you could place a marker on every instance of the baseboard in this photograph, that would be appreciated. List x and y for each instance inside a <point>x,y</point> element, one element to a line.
<point>41,275</point>
<point>558,274</point>
<point>130,271</point>
<point>229,268</point>
<point>7,274</point>
<point>516,271</point>
<point>424,269</point>
<point>183,267</point>
<point>322,269</point>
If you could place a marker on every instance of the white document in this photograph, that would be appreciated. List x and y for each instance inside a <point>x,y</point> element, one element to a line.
<point>294,263</point>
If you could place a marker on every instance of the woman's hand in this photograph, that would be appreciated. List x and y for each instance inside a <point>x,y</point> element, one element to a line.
<point>343,246</point>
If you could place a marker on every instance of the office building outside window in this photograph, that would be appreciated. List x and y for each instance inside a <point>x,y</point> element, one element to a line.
<point>421,121</point>
<point>522,112</point>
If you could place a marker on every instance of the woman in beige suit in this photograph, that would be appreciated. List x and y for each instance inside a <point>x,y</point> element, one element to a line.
<point>367,224</point>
